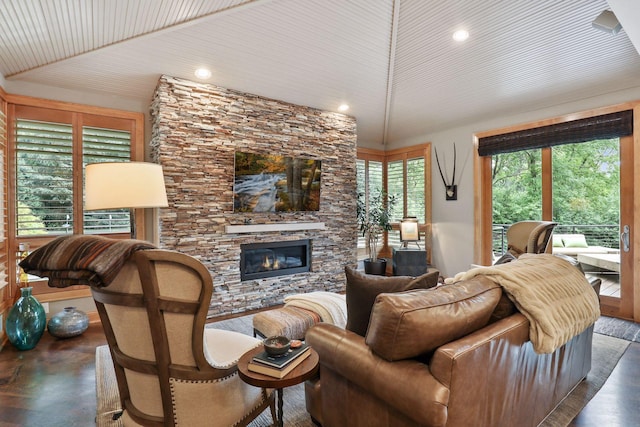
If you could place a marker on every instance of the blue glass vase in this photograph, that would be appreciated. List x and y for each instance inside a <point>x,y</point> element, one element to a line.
<point>26,321</point>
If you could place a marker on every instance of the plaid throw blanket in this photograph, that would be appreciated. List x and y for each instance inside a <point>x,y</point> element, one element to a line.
<point>81,260</point>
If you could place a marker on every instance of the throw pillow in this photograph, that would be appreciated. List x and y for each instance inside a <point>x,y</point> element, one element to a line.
<point>409,324</point>
<point>557,241</point>
<point>575,241</point>
<point>362,289</point>
<point>504,308</point>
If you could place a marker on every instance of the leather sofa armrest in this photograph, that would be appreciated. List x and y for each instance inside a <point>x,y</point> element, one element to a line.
<point>448,356</point>
<point>499,365</point>
<point>406,385</point>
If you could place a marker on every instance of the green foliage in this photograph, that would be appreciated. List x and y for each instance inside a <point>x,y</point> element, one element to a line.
<point>46,187</point>
<point>586,184</point>
<point>29,223</point>
<point>517,187</point>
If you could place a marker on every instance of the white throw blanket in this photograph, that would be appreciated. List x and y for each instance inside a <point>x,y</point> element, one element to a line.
<point>331,307</point>
<point>551,293</point>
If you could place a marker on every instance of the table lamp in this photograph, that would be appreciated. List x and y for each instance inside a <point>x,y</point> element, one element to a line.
<point>409,231</point>
<point>124,185</point>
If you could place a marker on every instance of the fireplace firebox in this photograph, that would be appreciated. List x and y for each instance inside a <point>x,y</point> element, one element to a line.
<point>259,260</point>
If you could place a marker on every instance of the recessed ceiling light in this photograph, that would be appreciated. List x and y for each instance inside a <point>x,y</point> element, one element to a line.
<point>202,73</point>
<point>343,107</point>
<point>461,35</point>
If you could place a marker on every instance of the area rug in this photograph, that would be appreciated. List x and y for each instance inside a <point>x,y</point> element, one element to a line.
<point>607,351</point>
<point>618,328</point>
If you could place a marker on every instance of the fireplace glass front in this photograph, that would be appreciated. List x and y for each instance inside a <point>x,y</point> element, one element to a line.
<point>259,260</point>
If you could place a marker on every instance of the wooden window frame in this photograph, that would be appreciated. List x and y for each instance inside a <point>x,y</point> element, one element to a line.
<point>79,116</point>
<point>404,154</point>
<point>7,291</point>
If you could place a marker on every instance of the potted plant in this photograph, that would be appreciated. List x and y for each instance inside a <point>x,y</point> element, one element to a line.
<point>373,220</point>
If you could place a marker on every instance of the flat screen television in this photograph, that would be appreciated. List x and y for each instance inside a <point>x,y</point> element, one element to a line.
<point>272,183</point>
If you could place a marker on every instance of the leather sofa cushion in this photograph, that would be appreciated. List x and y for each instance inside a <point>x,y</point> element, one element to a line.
<point>409,324</point>
<point>362,289</point>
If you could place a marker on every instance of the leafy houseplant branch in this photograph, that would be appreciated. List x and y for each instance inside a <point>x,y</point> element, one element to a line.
<point>374,218</point>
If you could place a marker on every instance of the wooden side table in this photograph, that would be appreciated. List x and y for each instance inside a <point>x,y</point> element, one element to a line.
<point>304,371</point>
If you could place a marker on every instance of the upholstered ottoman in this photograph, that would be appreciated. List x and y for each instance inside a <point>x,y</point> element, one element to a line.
<point>292,322</point>
<point>299,313</point>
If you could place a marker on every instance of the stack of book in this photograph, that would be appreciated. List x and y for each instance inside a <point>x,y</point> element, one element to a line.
<point>279,366</point>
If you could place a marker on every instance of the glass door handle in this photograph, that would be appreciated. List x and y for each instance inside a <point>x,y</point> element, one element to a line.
<point>624,238</point>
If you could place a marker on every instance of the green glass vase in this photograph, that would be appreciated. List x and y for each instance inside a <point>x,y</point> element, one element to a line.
<point>26,321</point>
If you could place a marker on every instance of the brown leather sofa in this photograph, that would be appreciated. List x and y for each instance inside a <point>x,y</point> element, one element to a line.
<point>484,376</point>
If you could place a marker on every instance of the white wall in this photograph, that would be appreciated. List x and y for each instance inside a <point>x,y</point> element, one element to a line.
<point>453,221</point>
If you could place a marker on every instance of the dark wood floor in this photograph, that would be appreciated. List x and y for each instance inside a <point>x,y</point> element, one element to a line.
<point>54,385</point>
<point>617,402</point>
<point>51,385</point>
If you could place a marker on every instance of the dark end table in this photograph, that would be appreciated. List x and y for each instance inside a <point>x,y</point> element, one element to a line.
<point>306,370</point>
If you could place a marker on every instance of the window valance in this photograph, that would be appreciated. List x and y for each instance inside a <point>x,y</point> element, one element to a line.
<point>606,126</point>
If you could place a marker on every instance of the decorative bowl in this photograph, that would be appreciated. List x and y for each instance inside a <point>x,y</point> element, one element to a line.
<point>276,346</point>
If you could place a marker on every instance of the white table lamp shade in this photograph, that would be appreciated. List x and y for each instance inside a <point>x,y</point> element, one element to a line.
<point>409,231</point>
<point>124,185</point>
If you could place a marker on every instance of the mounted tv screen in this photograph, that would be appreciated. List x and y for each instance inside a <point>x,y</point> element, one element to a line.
<point>270,183</point>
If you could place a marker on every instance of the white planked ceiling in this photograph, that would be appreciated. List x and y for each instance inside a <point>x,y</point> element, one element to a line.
<point>402,74</point>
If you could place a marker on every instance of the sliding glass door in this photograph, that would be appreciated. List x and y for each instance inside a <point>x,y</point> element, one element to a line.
<point>586,188</point>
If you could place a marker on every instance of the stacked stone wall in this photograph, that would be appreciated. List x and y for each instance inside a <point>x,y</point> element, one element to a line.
<point>196,129</point>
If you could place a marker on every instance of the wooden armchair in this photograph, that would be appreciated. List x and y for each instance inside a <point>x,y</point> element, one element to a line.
<point>170,369</point>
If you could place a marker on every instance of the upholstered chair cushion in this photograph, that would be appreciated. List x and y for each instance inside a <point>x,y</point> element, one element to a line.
<point>223,349</point>
<point>410,324</point>
<point>362,289</point>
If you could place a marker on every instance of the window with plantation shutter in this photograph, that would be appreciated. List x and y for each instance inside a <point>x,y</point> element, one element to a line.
<point>49,144</point>
<point>395,188</point>
<point>369,180</point>
<point>45,171</point>
<point>51,148</point>
<point>406,177</point>
<point>44,184</point>
<point>4,278</point>
<point>361,188</point>
<point>416,203</point>
<point>100,146</point>
<point>374,183</point>
<point>405,181</point>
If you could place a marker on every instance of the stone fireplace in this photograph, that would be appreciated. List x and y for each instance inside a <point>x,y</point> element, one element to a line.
<point>196,129</point>
<point>270,259</point>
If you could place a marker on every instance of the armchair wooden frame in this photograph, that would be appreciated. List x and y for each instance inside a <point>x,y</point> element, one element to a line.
<point>158,306</point>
